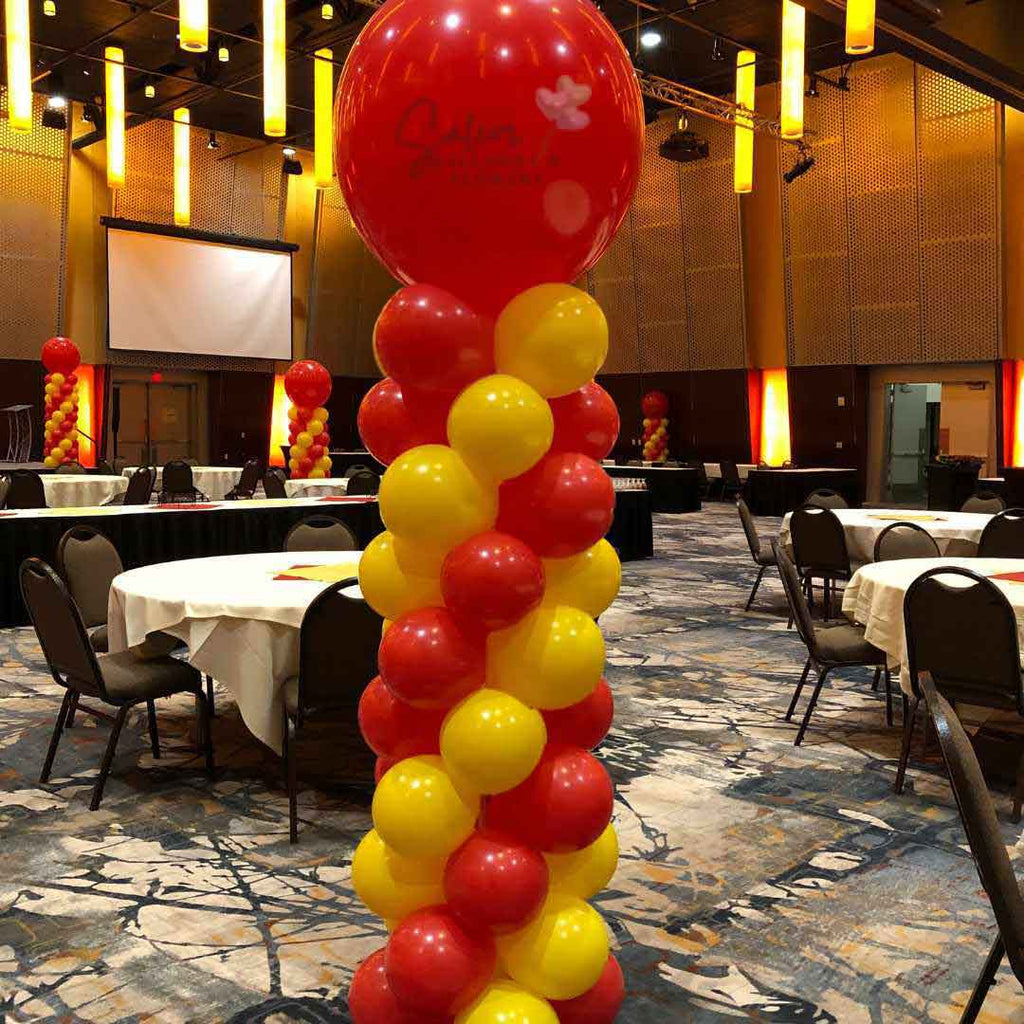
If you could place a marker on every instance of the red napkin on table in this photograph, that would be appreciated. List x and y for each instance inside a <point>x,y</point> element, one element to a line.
<point>184,507</point>
<point>354,498</point>
<point>1012,577</point>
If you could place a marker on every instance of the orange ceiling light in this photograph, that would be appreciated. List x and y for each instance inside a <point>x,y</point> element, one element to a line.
<point>275,69</point>
<point>194,25</point>
<point>794,27</point>
<point>114,69</point>
<point>743,155</point>
<point>19,65</point>
<point>860,26</point>
<point>279,422</point>
<point>323,88</point>
<point>775,443</point>
<point>182,168</point>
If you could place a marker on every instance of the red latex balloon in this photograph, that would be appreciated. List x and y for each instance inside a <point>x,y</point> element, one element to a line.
<point>325,439</point>
<point>427,661</point>
<point>425,337</point>
<point>564,805</point>
<point>586,421</point>
<point>316,451</point>
<point>389,425</point>
<point>598,1005</point>
<point>394,729</point>
<point>371,1001</point>
<point>382,766</point>
<point>584,724</point>
<point>562,506</point>
<point>307,383</point>
<point>61,355</point>
<point>494,881</point>
<point>654,404</point>
<point>435,964</point>
<point>491,580</point>
<point>488,146</point>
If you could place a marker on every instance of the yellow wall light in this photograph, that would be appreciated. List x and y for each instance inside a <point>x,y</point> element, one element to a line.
<point>19,65</point>
<point>114,67</point>
<point>182,168</point>
<point>323,75</point>
<point>275,72</point>
<point>794,19</point>
<point>194,25</point>
<point>860,26</point>
<point>743,156</point>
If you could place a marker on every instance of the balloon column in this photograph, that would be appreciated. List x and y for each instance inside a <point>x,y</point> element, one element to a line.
<point>487,149</point>
<point>308,385</point>
<point>655,408</point>
<point>60,434</point>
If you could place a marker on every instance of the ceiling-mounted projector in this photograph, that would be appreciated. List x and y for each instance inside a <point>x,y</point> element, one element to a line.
<point>684,146</point>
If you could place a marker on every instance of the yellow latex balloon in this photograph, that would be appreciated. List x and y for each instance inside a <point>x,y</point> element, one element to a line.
<point>51,389</point>
<point>561,952</point>
<point>317,474</point>
<point>389,591</point>
<point>505,1002</point>
<point>554,337</point>
<point>584,873</point>
<point>304,440</point>
<point>314,428</point>
<point>500,426</point>
<point>430,497</point>
<point>57,417</point>
<point>321,414</point>
<point>385,626</point>
<point>419,559</point>
<point>393,886</point>
<point>73,434</point>
<point>65,445</point>
<point>324,463</point>
<point>66,407</point>
<point>57,454</point>
<point>293,465</point>
<point>588,581</point>
<point>490,741</point>
<point>50,462</point>
<point>418,812</point>
<point>550,659</point>
<point>57,378</point>
<point>293,413</point>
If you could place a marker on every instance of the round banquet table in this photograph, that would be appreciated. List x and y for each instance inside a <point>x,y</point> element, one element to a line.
<point>335,486</point>
<point>956,533</point>
<point>239,622</point>
<point>874,598</point>
<point>213,481</point>
<point>81,490</point>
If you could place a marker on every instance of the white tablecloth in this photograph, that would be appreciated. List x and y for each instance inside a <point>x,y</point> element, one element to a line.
<point>240,625</point>
<point>81,490</point>
<point>874,598</point>
<point>713,471</point>
<point>956,533</point>
<point>315,488</point>
<point>213,481</point>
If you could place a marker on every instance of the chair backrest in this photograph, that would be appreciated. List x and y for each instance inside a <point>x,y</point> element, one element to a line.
<point>273,483</point>
<point>963,635</point>
<point>26,490</point>
<point>905,540</point>
<point>249,479</point>
<point>702,473</point>
<point>177,478</point>
<point>59,627</point>
<point>730,473</point>
<point>356,467</point>
<point>71,467</point>
<point>797,600</point>
<point>978,816</point>
<point>140,486</point>
<point>753,540</point>
<point>88,562</point>
<point>104,468</point>
<point>365,482</point>
<point>1003,536</point>
<point>120,463</point>
<point>320,533</point>
<point>819,542</point>
<point>985,502</point>
<point>823,497</point>
<point>338,645</point>
<point>5,486</point>
<point>190,461</point>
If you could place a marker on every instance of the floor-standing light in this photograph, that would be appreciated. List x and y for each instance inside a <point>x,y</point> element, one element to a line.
<point>860,26</point>
<point>114,66</point>
<point>743,157</point>
<point>194,25</point>
<point>794,19</point>
<point>182,168</point>
<point>323,82</point>
<point>19,65</point>
<point>275,75</point>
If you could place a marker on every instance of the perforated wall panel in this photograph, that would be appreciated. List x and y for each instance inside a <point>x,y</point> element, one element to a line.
<point>613,285</point>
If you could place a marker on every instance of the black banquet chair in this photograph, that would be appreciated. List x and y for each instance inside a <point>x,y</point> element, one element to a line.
<point>357,467</point>
<point>819,549</point>
<point>984,502</point>
<point>320,533</point>
<point>978,816</point>
<point>364,482</point>
<point>732,485</point>
<point>326,683</point>
<point>905,540</point>
<point>140,486</point>
<point>177,484</point>
<point>1003,536</point>
<point>88,563</point>
<point>71,467</point>
<point>826,498</point>
<point>118,680</point>
<point>762,551</point>
<point>26,490</point>
<point>274,483</point>
<point>247,482</point>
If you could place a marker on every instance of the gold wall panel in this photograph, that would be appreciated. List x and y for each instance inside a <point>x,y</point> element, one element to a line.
<point>613,285</point>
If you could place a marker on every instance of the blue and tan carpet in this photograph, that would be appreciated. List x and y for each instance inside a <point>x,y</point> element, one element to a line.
<point>758,881</point>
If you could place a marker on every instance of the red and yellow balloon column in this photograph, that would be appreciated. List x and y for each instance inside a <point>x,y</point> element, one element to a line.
<point>60,433</point>
<point>655,436</point>
<point>489,150</point>
<point>308,385</point>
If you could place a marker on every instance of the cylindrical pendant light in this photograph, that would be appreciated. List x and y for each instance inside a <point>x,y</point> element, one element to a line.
<point>19,65</point>
<point>114,65</point>
<point>743,156</point>
<point>182,168</point>
<point>194,25</point>
<point>323,82</point>
<point>860,26</point>
<point>794,19</point>
<point>275,74</point>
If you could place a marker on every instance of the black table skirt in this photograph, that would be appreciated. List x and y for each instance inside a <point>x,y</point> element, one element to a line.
<point>774,492</point>
<point>673,489</point>
<point>632,532</point>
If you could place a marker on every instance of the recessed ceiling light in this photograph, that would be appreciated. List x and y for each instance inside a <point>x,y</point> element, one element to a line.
<point>289,151</point>
<point>649,40</point>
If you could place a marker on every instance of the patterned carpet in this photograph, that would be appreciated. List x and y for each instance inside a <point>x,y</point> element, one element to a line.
<point>758,881</point>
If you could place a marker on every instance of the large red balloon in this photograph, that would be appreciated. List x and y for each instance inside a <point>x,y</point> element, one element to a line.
<point>435,965</point>
<point>562,506</point>
<point>371,1001</point>
<point>61,355</point>
<point>654,404</point>
<point>598,1005</point>
<point>494,881</point>
<point>564,805</point>
<point>586,421</point>
<point>491,580</point>
<point>307,383</point>
<point>428,661</point>
<point>395,729</point>
<point>584,724</point>
<point>390,425</point>
<point>488,146</point>
<point>427,338</point>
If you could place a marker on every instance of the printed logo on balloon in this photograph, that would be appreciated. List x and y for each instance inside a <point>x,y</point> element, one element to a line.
<point>308,386</point>
<point>488,151</point>
<point>60,403</point>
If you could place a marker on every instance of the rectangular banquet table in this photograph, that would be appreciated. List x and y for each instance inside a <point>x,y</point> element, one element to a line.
<point>774,492</point>
<point>632,532</point>
<point>672,488</point>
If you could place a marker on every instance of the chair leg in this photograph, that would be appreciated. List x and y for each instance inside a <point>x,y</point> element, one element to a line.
<point>888,697</point>
<point>108,758</point>
<point>69,722</point>
<point>154,736</point>
<point>798,690</point>
<point>204,730</point>
<point>985,981</point>
<point>293,786</point>
<point>1018,791</point>
<point>909,717</point>
<point>58,728</point>
<point>209,696</point>
<point>757,583</point>
<point>810,707</point>
<point>877,679</point>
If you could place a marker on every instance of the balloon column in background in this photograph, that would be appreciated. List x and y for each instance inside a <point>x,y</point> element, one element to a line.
<point>60,433</point>
<point>655,410</point>
<point>487,151</point>
<point>308,385</point>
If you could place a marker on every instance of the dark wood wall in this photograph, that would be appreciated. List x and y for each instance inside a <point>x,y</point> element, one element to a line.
<point>240,410</point>
<point>21,383</point>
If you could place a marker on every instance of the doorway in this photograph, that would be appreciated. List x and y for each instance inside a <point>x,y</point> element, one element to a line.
<point>913,415</point>
<point>157,422</point>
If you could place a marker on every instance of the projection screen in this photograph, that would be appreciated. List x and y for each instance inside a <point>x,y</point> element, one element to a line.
<point>172,294</point>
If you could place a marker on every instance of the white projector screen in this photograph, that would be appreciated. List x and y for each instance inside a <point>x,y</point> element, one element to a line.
<point>170,294</point>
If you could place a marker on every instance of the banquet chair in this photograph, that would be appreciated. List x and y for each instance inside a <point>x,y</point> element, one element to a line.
<point>247,482</point>
<point>965,638</point>
<point>5,486</point>
<point>978,817</point>
<point>119,680</point>
<point>177,483</point>
<point>826,498</point>
<point>985,502</point>
<point>828,647</point>
<point>326,682</point>
<point>70,467</point>
<point>732,485</point>
<point>104,468</point>
<point>819,550</point>
<point>26,490</point>
<point>357,467</point>
<point>88,563</point>
<point>190,461</point>
<point>320,533</point>
<point>762,551</point>
<point>1003,536</point>
<point>365,482</point>
<point>703,484</point>
<point>905,540</point>
<point>274,483</point>
<point>140,486</point>
<point>119,464</point>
